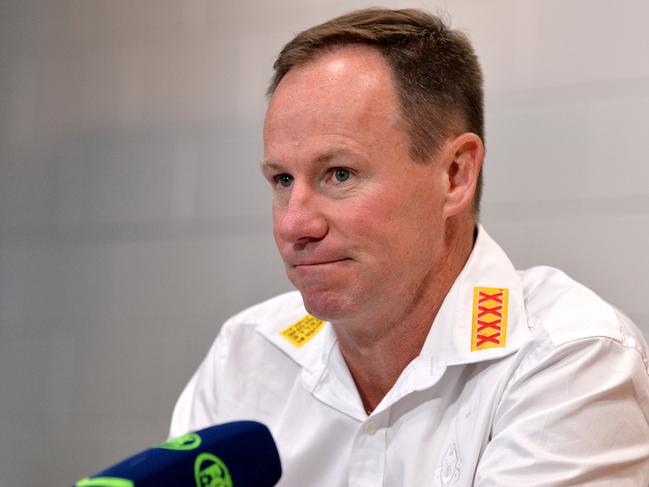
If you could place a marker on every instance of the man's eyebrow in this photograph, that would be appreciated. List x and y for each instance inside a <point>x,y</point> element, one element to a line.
<point>268,164</point>
<point>332,154</point>
<point>320,159</point>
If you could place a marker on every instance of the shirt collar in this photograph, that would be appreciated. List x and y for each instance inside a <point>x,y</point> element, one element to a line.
<point>449,341</point>
<point>313,355</point>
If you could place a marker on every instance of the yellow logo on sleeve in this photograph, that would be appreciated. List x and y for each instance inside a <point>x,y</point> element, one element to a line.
<point>303,330</point>
<point>489,323</point>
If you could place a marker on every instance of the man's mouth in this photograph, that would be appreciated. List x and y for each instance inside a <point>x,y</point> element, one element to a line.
<point>319,262</point>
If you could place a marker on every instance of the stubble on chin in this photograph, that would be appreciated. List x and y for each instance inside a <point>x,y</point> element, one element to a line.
<point>327,305</point>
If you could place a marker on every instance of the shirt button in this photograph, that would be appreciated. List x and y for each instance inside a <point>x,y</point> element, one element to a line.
<point>369,427</point>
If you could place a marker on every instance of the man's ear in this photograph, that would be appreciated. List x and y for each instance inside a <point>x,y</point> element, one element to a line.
<point>463,158</point>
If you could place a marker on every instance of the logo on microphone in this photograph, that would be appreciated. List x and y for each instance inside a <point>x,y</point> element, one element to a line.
<point>210,471</point>
<point>183,443</point>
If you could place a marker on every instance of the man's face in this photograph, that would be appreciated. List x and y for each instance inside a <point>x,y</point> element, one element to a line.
<point>358,224</point>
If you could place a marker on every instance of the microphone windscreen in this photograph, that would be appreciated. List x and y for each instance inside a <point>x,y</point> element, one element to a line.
<point>239,454</point>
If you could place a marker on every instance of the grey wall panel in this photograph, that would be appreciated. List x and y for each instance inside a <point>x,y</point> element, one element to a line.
<point>606,253</point>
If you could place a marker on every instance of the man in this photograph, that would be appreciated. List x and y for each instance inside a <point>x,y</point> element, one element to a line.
<point>413,354</point>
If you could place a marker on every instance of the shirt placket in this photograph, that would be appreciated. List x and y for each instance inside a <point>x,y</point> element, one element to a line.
<point>367,460</point>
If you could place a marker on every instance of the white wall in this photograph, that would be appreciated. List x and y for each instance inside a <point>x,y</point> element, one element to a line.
<point>134,220</point>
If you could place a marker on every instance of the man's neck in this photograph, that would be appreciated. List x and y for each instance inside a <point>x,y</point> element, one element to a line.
<point>377,357</point>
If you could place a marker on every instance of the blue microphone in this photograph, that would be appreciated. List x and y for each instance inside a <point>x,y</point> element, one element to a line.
<point>236,454</point>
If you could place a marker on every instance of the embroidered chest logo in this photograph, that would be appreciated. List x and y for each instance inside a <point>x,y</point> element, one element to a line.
<point>448,471</point>
<point>303,330</point>
<point>489,323</point>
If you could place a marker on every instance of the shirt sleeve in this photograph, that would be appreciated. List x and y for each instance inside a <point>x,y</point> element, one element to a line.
<point>180,418</point>
<point>579,415</point>
<point>197,407</point>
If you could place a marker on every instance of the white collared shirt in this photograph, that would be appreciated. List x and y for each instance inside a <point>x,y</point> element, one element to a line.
<point>525,378</point>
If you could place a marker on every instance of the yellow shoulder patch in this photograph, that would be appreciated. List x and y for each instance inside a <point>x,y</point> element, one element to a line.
<point>489,323</point>
<point>303,330</point>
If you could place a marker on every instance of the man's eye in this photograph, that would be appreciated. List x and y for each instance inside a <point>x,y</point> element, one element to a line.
<point>341,174</point>
<point>284,180</point>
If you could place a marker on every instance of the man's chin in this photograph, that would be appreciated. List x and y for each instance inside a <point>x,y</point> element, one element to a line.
<point>328,305</point>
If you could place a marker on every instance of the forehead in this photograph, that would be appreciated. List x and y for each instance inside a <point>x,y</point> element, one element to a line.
<point>348,92</point>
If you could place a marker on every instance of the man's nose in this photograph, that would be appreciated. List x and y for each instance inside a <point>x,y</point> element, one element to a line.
<point>300,219</point>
